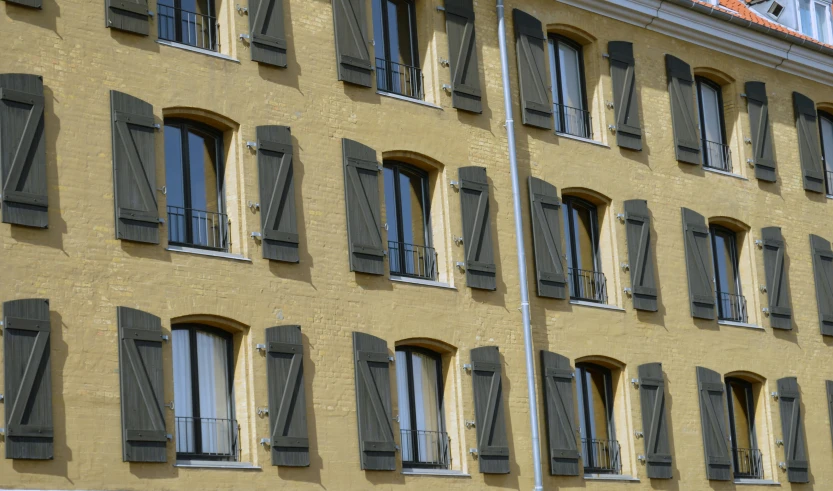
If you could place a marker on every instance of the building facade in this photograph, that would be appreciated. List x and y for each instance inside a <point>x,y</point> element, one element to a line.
<point>262,245</point>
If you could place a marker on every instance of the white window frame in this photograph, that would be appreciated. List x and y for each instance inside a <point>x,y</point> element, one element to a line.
<point>815,33</point>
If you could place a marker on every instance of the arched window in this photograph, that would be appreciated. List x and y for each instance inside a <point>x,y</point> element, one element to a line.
<point>731,304</point>
<point>600,450</point>
<point>190,22</point>
<point>568,88</point>
<point>826,132</point>
<point>746,457</point>
<point>581,231</point>
<point>716,152</point>
<point>397,55</point>
<point>408,218</point>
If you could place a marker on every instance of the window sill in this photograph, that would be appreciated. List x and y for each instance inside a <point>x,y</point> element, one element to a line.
<point>756,482</point>
<point>204,252</point>
<point>434,472</point>
<point>408,99</point>
<point>193,49</point>
<point>597,306</point>
<point>581,139</point>
<point>210,464</point>
<point>610,477</point>
<point>417,281</point>
<point>740,324</point>
<point>724,173</point>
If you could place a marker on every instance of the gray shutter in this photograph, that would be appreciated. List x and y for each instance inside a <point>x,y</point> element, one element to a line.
<point>536,108</point>
<point>140,377</point>
<point>809,148</point>
<point>683,112</point>
<point>361,196</point>
<point>287,399</point>
<point>268,37</point>
<point>823,273</point>
<point>22,150</point>
<point>698,261</point>
<point>352,51</point>
<point>625,104</point>
<point>792,428</point>
<point>278,225</point>
<point>28,373</point>
<point>713,421</point>
<point>134,169</point>
<point>373,403</point>
<point>559,414</point>
<point>462,55</point>
<point>641,255</point>
<point>26,3</point>
<point>490,421</point>
<point>654,422</point>
<point>128,15</point>
<point>777,284</point>
<point>545,212</point>
<point>757,106</point>
<point>829,385</point>
<point>477,228</point>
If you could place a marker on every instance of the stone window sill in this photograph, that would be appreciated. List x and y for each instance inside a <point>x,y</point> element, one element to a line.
<point>724,173</point>
<point>434,472</point>
<point>581,139</point>
<point>205,252</point>
<point>211,464</point>
<point>417,281</point>
<point>756,482</point>
<point>193,49</point>
<point>408,99</point>
<point>597,306</point>
<point>610,477</point>
<point>740,324</point>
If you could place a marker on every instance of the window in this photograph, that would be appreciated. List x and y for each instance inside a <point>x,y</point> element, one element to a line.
<point>409,229</point>
<point>731,304</point>
<point>203,394</point>
<point>191,22</point>
<point>775,10</point>
<point>397,58</point>
<point>814,19</point>
<point>419,384</point>
<point>826,132</point>
<point>581,224</point>
<point>600,451</point>
<point>716,153</point>
<point>194,186</point>
<point>568,97</point>
<point>746,457</point>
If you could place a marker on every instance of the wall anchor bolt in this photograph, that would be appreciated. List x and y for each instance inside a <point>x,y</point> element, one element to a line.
<point>444,62</point>
<point>241,9</point>
<point>638,434</point>
<point>170,405</point>
<point>763,288</point>
<point>625,267</point>
<point>609,104</point>
<point>470,424</point>
<point>262,411</point>
<point>779,443</point>
<point>747,140</point>
<point>254,206</point>
<point>457,240</point>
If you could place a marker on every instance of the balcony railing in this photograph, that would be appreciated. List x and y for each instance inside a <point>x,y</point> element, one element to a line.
<point>717,156</point>
<point>197,228</point>
<point>422,448</point>
<point>572,121</point>
<point>206,439</point>
<point>748,463</point>
<point>587,285</point>
<point>601,456</point>
<point>412,260</point>
<point>399,79</point>
<point>191,28</point>
<point>731,307</point>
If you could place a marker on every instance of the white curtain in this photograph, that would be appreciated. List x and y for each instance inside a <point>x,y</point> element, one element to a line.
<point>426,401</point>
<point>404,398</point>
<point>214,384</point>
<point>183,402</point>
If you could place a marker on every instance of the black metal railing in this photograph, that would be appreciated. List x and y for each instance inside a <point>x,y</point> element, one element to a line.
<point>829,175</point>
<point>748,463</point>
<point>717,155</point>
<point>399,79</point>
<point>197,228</point>
<point>587,285</point>
<point>731,307</point>
<point>422,448</point>
<point>412,260</point>
<point>191,28</point>
<point>572,121</point>
<point>601,456</point>
<point>207,438</point>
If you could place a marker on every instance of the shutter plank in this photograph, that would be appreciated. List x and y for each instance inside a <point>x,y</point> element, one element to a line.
<point>698,264</point>
<point>477,228</point>
<point>268,34</point>
<point>641,255</point>
<point>361,197</point>
<point>792,427</point>
<point>352,51</point>
<point>625,104</point>
<point>760,131</point>
<point>490,421</point>
<point>683,113</point>
<point>713,421</point>
<point>35,4</point>
<point>777,284</point>
<point>462,56</point>
<point>128,16</point>
<point>823,274</point>
<point>287,396</point>
<point>654,423</point>
<point>559,414</point>
<point>545,212</point>
<point>277,194</point>
<point>829,385</point>
<point>536,107</point>
<point>809,148</point>
<point>28,379</point>
<point>373,403</point>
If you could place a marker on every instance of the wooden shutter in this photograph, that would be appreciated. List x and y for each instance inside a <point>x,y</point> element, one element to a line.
<point>641,255</point>
<point>28,375</point>
<point>477,228</point>
<point>559,414</point>
<point>373,403</point>
<point>829,385</point>
<point>140,377</point>
<point>361,196</point>
<point>792,427</point>
<point>823,273</point>
<point>277,194</point>
<point>713,421</point>
<point>490,421</point>
<point>757,106</point>
<point>654,423</point>
<point>698,261</point>
<point>287,399</point>
<point>545,212</point>
<point>128,15</point>
<point>22,150</point>
<point>268,38</point>
<point>26,3</point>
<point>777,284</point>
<point>352,52</point>
<point>462,55</point>
<point>809,148</point>
<point>134,169</point>
<point>536,108</point>
<point>683,112</point>
<point>625,104</point>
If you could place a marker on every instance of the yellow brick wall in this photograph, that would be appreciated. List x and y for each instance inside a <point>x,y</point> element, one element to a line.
<point>86,273</point>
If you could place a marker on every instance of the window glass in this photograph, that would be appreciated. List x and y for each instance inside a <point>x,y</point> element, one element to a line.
<point>822,15</point>
<point>710,101</point>
<point>174,170</point>
<point>741,418</point>
<point>568,94</point>
<point>570,71</point>
<point>391,209</point>
<point>183,401</point>
<point>826,126</point>
<point>406,208</point>
<point>725,257</point>
<point>202,155</point>
<point>424,441</point>
<point>805,17</point>
<point>214,389</point>
<point>379,35</point>
<point>580,222</point>
<point>600,450</point>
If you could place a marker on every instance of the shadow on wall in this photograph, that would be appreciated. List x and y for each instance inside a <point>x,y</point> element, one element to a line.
<point>509,481</point>
<point>283,76</point>
<point>46,17</point>
<point>497,296</point>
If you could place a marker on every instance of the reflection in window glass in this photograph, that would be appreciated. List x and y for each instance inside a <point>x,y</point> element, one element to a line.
<point>822,14</point>
<point>568,97</point>
<point>805,17</point>
<point>421,422</point>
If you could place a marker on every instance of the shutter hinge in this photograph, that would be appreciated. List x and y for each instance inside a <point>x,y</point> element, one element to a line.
<point>379,167</point>
<point>750,162</point>
<point>779,442</point>
<point>440,8</point>
<point>444,62</point>
<point>169,437</point>
<point>252,145</point>
<point>254,206</point>
<point>157,126</point>
<point>150,13</point>
<point>747,140</point>
<point>244,37</point>
<point>775,396</point>
<point>609,104</point>
<point>612,128</point>
<point>165,338</point>
<point>628,292</point>
<point>467,367</point>
<point>447,88</point>
<point>765,311</point>
<point>621,217</point>
<point>454,184</point>
<point>625,267</point>
<point>641,459</point>
<point>461,265</point>
<point>241,9</point>
<point>1,397</point>
<point>257,235</point>
<point>605,55</point>
<point>782,466</point>
<point>763,288</point>
<point>162,221</point>
<point>260,347</point>
<point>759,243</point>
<point>743,94</point>
<point>265,442</point>
<point>635,383</point>
<point>473,452</point>
<point>3,432</point>
<point>262,411</point>
<point>457,240</point>
<point>638,434</point>
<point>470,424</point>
